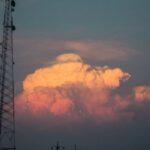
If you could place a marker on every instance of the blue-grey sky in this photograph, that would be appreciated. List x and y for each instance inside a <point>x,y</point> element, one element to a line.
<point>103,32</point>
<point>126,22</point>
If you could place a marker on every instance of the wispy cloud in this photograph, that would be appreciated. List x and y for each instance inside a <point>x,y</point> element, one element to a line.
<point>100,50</point>
<point>90,49</point>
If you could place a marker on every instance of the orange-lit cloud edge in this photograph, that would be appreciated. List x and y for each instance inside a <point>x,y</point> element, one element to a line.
<point>70,91</point>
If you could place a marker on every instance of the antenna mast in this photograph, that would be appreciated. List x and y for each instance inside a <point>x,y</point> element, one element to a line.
<point>7,112</point>
<point>57,146</point>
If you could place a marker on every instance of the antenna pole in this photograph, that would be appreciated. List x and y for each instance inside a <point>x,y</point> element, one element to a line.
<point>57,146</point>
<point>7,111</point>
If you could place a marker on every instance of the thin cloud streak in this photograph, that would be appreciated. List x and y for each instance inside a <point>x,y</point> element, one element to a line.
<point>90,49</point>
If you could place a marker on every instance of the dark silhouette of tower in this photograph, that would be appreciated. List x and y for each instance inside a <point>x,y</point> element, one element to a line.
<point>75,147</point>
<point>7,112</point>
<point>57,147</point>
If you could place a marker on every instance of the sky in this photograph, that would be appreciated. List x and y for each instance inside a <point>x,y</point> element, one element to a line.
<point>82,74</point>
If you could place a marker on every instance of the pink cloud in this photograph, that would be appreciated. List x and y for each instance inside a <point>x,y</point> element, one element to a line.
<point>75,92</point>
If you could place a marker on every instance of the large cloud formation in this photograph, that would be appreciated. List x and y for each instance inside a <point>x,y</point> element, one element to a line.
<point>70,89</point>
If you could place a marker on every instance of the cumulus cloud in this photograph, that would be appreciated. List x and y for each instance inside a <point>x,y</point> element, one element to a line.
<point>69,69</point>
<point>142,93</point>
<point>71,89</point>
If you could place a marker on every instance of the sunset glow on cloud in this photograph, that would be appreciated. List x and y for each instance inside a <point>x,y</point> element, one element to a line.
<point>70,88</point>
<point>142,93</point>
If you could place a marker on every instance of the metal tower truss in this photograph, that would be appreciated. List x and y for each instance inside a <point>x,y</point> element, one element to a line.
<point>7,112</point>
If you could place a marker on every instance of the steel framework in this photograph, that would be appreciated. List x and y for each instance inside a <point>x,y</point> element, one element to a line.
<point>7,111</point>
